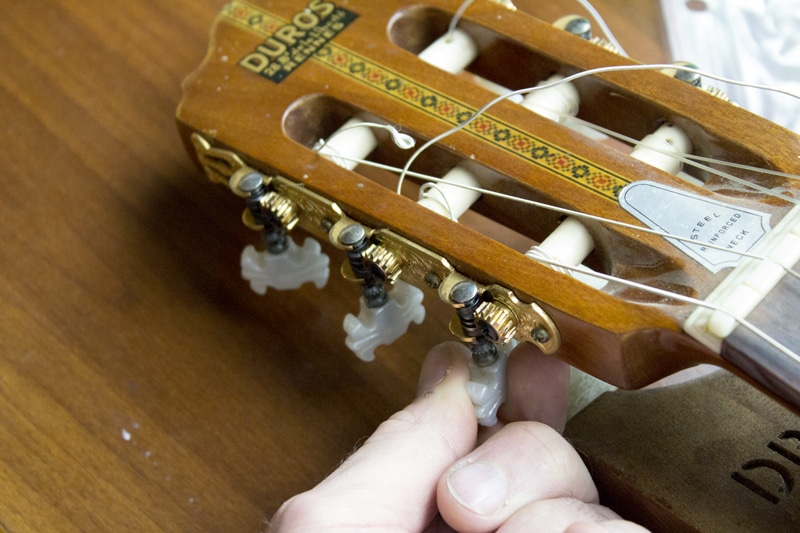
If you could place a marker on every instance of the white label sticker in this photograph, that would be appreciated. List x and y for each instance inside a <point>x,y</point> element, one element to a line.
<point>697,218</point>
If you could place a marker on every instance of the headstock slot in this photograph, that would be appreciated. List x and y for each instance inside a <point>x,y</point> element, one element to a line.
<point>633,104</point>
<point>316,117</point>
<point>416,27</point>
<point>627,112</point>
<point>516,225</point>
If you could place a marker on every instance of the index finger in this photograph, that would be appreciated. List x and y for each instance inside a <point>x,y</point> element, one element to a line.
<point>537,388</point>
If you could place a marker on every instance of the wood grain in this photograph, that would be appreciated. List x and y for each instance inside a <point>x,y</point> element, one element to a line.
<point>142,385</point>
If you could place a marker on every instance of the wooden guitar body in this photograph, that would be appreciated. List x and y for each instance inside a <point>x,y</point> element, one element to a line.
<point>281,76</point>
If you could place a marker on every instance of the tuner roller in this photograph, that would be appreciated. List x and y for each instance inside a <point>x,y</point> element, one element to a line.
<point>559,103</point>
<point>660,148</point>
<point>570,244</point>
<point>452,52</point>
<point>448,197</point>
<point>555,103</point>
<point>351,142</point>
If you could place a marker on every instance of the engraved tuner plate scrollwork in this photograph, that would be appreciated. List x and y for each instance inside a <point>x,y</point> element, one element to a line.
<point>218,164</point>
<point>401,257</point>
<point>510,317</point>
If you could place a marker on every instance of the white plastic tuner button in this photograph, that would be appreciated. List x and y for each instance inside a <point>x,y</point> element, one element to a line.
<point>287,270</point>
<point>487,385</point>
<point>383,325</point>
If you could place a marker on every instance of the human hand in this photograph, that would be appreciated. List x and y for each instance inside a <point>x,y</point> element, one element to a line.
<point>421,468</point>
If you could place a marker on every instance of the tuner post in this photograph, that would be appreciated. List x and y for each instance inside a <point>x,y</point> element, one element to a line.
<point>283,264</point>
<point>252,187</point>
<point>384,316</point>
<point>354,240</point>
<point>466,299</point>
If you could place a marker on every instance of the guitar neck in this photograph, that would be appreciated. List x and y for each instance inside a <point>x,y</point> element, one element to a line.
<point>763,358</point>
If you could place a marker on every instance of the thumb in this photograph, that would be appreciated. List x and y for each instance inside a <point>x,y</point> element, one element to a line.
<point>390,482</point>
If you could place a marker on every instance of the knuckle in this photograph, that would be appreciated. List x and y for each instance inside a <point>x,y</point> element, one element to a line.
<point>300,513</point>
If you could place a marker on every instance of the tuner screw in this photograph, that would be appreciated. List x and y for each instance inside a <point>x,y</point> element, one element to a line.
<point>692,78</point>
<point>540,335</point>
<point>353,235</point>
<point>259,214</point>
<point>432,280</point>
<point>581,27</point>
<point>696,80</point>
<point>464,294</point>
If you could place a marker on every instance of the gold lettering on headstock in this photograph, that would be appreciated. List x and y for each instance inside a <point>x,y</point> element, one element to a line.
<point>288,44</point>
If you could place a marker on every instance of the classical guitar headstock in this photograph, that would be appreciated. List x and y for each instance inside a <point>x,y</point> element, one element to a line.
<point>620,247</point>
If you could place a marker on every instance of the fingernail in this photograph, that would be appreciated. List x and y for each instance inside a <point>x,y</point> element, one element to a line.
<point>434,370</point>
<point>481,487</point>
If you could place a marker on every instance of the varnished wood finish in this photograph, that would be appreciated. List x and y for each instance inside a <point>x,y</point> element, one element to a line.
<point>640,334</point>
<point>122,311</point>
<point>143,387</point>
<point>765,363</point>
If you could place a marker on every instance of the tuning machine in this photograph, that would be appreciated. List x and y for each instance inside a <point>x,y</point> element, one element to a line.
<point>581,27</point>
<point>384,315</point>
<point>693,77</point>
<point>492,321</point>
<point>282,264</point>
<point>494,316</point>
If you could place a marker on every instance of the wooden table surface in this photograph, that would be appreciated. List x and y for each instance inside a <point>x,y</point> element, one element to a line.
<point>143,386</point>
